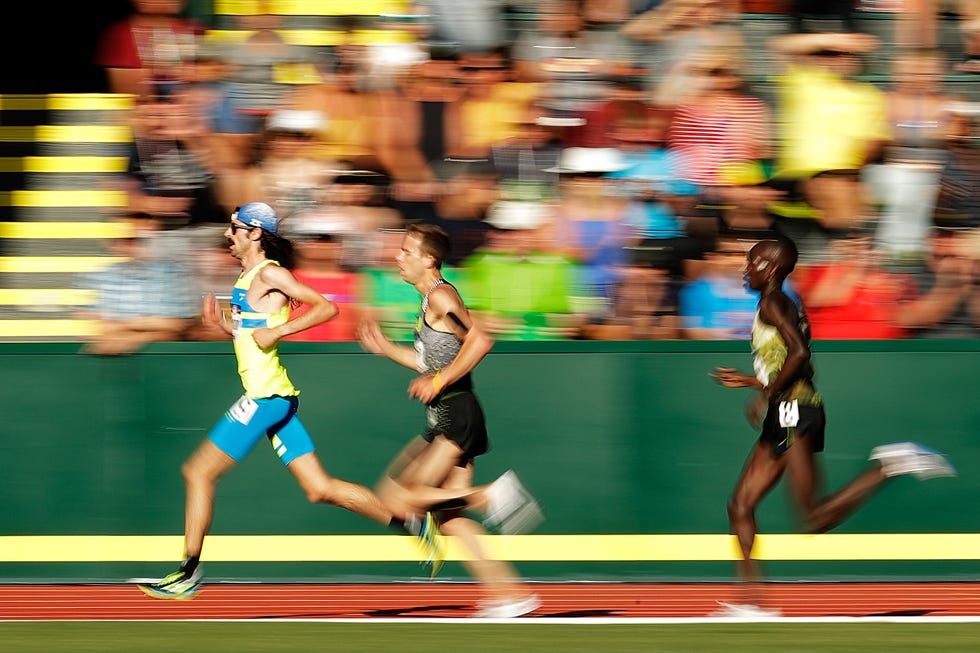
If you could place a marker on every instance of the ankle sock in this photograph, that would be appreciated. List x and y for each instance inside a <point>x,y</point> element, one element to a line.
<point>189,565</point>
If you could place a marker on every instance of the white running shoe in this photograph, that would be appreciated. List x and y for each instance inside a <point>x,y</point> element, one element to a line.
<point>911,458</point>
<point>509,609</point>
<point>743,611</point>
<point>510,507</point>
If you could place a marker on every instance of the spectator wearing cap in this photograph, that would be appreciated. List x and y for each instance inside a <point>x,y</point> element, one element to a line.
<point>591,223</point>
<point>519,286</point>
<point>521,161</point>
<point>286,174</point>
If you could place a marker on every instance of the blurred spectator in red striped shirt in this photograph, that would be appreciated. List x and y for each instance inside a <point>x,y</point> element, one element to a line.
<point>721,133</point>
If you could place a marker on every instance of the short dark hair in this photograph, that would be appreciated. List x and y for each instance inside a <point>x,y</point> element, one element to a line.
<point>433,240</point>
<point>788,247</point>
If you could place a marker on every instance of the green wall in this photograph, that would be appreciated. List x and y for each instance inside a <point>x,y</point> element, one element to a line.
<point>613,438</point>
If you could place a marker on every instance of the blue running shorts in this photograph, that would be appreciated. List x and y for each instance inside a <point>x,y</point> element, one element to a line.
<point>244,424</point>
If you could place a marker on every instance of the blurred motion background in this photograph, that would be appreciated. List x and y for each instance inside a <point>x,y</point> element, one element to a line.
<point>601,165</point>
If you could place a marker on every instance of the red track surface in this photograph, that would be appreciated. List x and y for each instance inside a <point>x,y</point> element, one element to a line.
<point>220,601</point>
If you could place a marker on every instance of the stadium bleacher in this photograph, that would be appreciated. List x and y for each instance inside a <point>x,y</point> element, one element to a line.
<point>57,150</point>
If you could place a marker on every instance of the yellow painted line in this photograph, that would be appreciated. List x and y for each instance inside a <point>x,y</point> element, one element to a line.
<point>64,198</point>
<point>66,102</point>
<point>47,297</point>
<point>870,546</point>
<point>48,328</point>
<point>238,7</point>
<point>105,164</point>
<point>311,7</point>
<point>67,134</point>
<point>542,548</point>
<point>161,548</point>
<point>318,37</point>
<point>91,102</point>
<point>17,134</point>
<point>39,264</point>
<point>23,102</point>
<point>84,134</point>
<point>65,230</point>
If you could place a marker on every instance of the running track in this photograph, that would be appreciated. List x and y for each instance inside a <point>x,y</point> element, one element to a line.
<point>457,600</point>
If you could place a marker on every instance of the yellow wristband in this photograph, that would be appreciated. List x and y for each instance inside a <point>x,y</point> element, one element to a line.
<point>437,383</point>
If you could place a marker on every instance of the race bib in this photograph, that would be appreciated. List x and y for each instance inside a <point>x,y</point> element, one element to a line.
<point>789,413</point>
<point>236,320</point>
<point>243,410</point>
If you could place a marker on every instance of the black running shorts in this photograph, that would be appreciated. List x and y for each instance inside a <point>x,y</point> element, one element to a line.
<point>787,421</point>
<point>458,416</point>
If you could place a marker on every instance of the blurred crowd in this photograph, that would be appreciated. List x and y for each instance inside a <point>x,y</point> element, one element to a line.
<point>602,166</point>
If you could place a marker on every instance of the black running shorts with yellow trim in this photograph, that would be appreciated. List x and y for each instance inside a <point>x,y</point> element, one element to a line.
<point>458,416</point>
<point>787,421</point>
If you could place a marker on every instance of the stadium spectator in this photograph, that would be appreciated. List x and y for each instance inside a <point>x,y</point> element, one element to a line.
<point>829,126</point>
<point>146,53</point>
<point>491,109</point>
<point>518,286</point>
<point>285,173</point>
<point>851,296</point>
<point>349,109</point>
<point>258,73</point>
<point>172,175</point>
<point>724,137</point>
<point>680,30</point>
<point>591,224</point>
<point>319,256</point>
<point>573,61</point>
<point>149,295</point>
<point>714,304</point>
<point>418,126</point>
<point>949,303</point>
<point>905,184</point>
